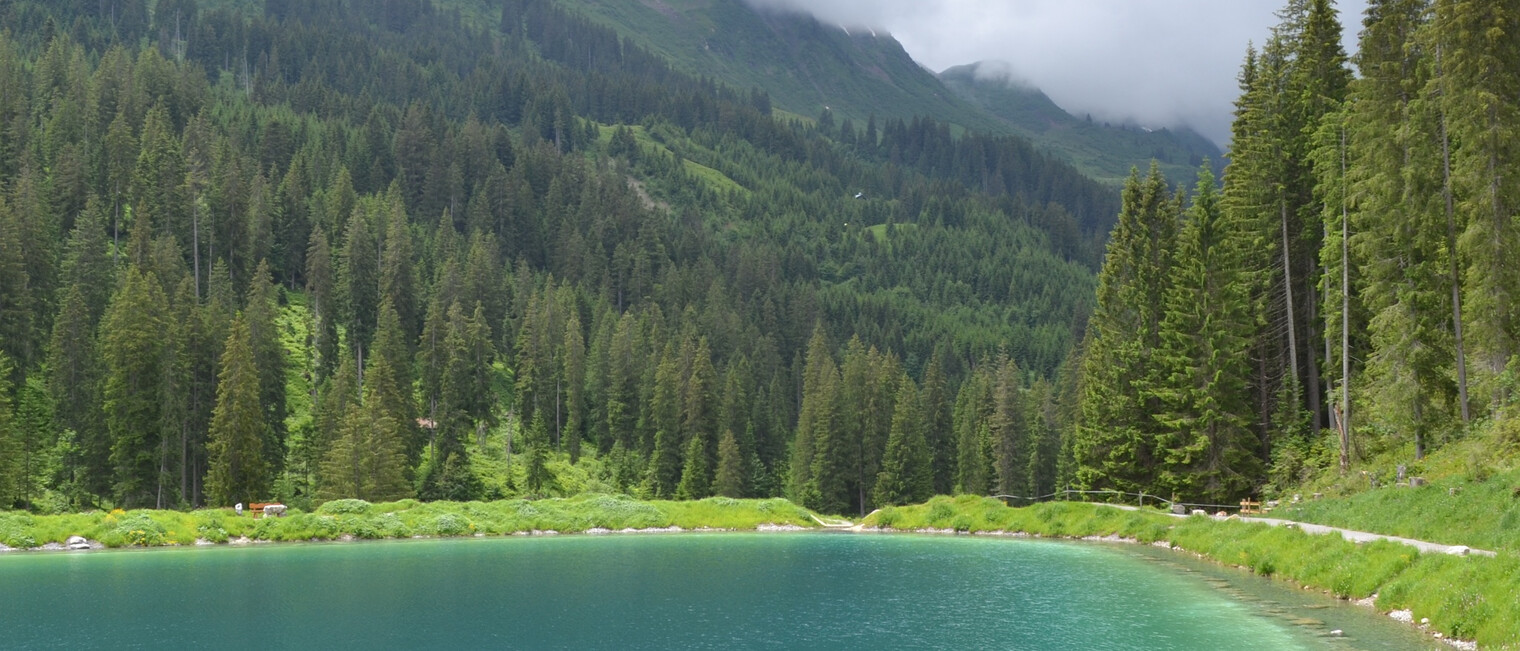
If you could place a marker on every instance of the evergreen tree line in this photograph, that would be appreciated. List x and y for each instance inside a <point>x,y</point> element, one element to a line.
<point>353,249</point>
<point>1349,289</point>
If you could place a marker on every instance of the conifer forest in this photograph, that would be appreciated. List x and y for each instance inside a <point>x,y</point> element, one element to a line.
<point>464,250</point>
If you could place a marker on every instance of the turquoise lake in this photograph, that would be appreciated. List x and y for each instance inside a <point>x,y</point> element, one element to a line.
<point>685,591</point>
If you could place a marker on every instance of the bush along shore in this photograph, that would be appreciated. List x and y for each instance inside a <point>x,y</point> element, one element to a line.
<point>1464,598</point>
<point>358,519</point>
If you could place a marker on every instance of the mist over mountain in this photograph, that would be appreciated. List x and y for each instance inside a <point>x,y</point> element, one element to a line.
<point>809,64</point>
<point>1164,63</point>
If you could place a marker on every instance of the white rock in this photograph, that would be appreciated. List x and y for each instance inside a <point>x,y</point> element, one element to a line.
<point>779,527</point>
<point>77,542</point>
<point>1337,633</point>
<point>1406,616</point>
<point>274,510</point>
<point>1459,550</point>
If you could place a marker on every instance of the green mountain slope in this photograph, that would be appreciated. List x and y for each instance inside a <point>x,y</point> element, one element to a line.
<point>806,66</point>
<point>1103,151</point>
<point>803,64</point>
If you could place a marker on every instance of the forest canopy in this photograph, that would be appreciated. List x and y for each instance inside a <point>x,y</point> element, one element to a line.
<point>381,249</point>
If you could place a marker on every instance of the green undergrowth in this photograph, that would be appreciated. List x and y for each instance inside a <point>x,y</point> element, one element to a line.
<point>403,519</point>
<point>1465,597</point>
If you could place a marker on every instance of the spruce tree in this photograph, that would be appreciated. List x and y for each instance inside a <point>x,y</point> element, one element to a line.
<point>131,344</point>
<point>322,290</point>
<point>574,373</point>
<point>975,470</point>
<point>361,284</point>
<point>10,456</point>
<point>1009,426</point>
<point>74,373</point>
<point>397,276</point>
<point>697,473</point>
<point>729,479</point>
<point>261,316</point>
<point>1205,449</point>
<point>1479,59</point>
<point>395,392</point>
<point>907,466</point>
<point>665,412</point>
<point>238,471</point>
<point>367,459</point>
<point>17,311</point>
<point>939,430</point>
<point>1400,153</point>
<point>1115,441</point>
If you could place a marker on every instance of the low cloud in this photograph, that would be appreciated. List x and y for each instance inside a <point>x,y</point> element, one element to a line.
<point>1156,63</point>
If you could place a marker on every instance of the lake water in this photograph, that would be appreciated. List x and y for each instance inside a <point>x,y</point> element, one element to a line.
<point>713,591</point>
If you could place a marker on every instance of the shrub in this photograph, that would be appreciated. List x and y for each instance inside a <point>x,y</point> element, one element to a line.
<point>939,511</point>
<point>211,533</point>
<point>345,507</point>
<point>136,529</point>
<point>13,531</point>
<point>451,524</point>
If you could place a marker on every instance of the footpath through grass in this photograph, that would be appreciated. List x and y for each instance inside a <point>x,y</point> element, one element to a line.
<point>1473,598</point>
<point>404,519</point>
<point>1470,496</point>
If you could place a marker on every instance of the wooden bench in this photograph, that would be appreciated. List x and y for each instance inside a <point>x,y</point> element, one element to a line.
<point>256,509</point>
<point>1247,507</point>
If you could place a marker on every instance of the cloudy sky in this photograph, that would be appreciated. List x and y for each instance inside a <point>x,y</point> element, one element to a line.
<point>1156,62</point>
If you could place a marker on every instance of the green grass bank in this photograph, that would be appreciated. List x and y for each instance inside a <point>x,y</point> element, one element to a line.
<point>1470,598</point>
<point>340,519</point>
<point>1464,597</point>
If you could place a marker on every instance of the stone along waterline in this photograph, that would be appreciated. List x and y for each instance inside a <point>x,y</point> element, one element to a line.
<point>659,591</point>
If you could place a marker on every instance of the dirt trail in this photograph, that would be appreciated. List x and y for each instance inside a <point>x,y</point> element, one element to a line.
<point>1348,534</point>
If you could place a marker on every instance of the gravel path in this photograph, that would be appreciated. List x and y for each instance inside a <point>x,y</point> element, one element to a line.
<point>1353,536</point>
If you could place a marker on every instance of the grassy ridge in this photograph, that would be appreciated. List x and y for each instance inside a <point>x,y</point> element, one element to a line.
<point>403,519</point>
<point>1464,597</point>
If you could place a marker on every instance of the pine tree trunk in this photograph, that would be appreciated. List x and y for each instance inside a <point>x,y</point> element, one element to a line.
<point>1288,290</point>
<point>1345,411</point>
<point>1312,371</point>
<point>1456,278</point>
<point>195,246</point>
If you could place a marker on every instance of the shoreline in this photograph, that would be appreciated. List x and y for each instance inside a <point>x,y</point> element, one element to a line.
<point>244,541</point>
<point>1404,616</point>
<point>343,525</point>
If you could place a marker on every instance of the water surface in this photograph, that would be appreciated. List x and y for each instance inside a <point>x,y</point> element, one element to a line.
<point>782,591</point>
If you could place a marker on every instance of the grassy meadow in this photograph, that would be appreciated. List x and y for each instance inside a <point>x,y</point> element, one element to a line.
<point>404,519</point>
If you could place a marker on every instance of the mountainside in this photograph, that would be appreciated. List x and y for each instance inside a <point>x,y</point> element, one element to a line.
<point>448,250</point>
<point>806,66</point>
<point>803,64</point>
<point>1103,151</point>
